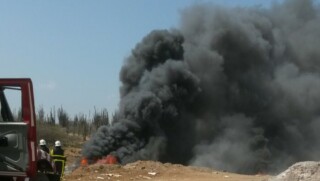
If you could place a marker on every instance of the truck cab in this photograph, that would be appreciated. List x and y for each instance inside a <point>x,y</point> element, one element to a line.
<point>18,140</point>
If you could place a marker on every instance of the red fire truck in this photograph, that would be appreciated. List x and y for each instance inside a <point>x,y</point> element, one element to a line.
<point>19,156</point>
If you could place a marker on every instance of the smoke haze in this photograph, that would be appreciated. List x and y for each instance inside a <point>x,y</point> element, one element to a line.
<point>236,89</point>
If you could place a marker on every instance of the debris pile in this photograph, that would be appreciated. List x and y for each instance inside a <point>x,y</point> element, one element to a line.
<point>301,171</point>
<point>151,170</point>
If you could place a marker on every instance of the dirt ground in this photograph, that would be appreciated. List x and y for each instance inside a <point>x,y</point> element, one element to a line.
<point>147,170</point>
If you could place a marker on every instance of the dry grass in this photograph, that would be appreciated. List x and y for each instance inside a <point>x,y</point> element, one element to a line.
<point>51,133</point>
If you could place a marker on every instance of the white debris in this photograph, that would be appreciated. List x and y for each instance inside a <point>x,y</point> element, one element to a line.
<point>112,175</point>
<point>301,171</point>
<point>101,178</point>
<point>145,177</point>
<point>152,173</point>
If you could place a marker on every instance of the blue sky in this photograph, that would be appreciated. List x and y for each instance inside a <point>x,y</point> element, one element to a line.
<point>73,49</point>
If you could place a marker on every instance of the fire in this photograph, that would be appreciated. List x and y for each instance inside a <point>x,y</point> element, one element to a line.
<point>109,159</point>
<point>84,162</point>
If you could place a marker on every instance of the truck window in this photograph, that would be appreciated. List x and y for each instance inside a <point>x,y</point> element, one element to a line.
<point>10,104</point>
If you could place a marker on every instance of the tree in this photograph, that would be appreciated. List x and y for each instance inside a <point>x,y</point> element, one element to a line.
<point>115,117</point>
<point>75,125</point>
<point>51,119</point>
<point>41,115</point>
<point>84,126</point>
<point>99,119</point>
<point>63,118</point>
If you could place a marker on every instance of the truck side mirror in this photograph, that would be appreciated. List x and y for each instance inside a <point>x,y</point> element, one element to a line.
<point>9,140</point>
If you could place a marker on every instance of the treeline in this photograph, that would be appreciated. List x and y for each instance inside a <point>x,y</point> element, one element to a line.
<point>80,124</point>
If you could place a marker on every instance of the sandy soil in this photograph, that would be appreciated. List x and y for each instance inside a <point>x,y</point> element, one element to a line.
<point>148,170</point>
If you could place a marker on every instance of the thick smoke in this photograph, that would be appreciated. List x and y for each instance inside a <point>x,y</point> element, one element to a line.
<point>233,88</point>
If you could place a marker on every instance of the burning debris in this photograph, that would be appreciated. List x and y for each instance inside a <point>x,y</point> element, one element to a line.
<point>109,159</point>
<point>235,89</point>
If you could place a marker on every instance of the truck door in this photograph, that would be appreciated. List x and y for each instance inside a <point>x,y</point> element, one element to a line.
<point>17,136</point>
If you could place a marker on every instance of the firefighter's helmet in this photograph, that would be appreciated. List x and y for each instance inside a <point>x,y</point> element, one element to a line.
<point>42,142</point>
<point>57,143</point>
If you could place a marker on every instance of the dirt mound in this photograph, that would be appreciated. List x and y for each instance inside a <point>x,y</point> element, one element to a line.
<point>301,171</point>
<point>145,170</point>
<point>150,170</point>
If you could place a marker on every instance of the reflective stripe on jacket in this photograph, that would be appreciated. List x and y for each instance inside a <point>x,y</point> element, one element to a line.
<point>59,161</point>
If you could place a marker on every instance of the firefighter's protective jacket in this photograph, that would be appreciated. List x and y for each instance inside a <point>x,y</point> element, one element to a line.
<point>59,159</point>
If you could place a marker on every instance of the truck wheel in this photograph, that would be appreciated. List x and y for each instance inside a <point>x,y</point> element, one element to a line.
<point>40,177</point>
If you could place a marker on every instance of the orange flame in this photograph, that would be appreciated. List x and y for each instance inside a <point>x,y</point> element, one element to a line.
<point>109,159</point>
<point>84,162</point>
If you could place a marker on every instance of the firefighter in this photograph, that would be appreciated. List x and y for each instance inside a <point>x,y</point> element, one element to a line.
<point>58,157</point>
<point>44,162</point>
<point>43,145</point>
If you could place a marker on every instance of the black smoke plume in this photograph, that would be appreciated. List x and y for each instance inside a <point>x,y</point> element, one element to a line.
<point>232,88</point>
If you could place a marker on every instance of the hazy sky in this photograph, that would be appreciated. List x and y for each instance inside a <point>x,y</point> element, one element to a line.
<point>73,49</point>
